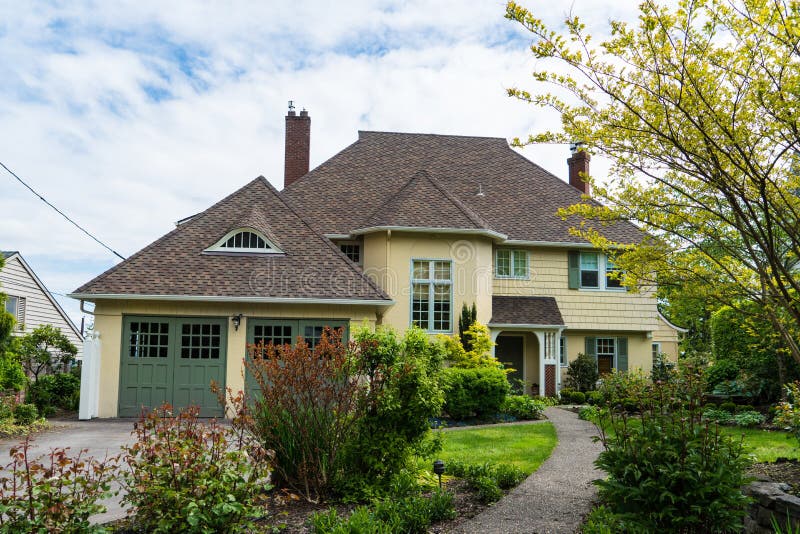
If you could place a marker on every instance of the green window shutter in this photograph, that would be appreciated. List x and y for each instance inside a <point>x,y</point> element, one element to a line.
<point>622,353</point>
<point>591,348</point>
<point>574,266</point>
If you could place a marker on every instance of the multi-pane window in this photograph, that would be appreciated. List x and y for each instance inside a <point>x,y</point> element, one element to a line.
<point>597,271</point>
<point>511,263</point>
<point>562,351</point>
<point>606,346</point>
<point>244,241</point>
<point>431,295</point>
<point>352,251</point>
<point>148,339</point>
<point>276,335</point>
<point>200,341</point>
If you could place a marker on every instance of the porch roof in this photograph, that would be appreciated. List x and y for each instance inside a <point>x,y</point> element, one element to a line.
<point>525,311</point>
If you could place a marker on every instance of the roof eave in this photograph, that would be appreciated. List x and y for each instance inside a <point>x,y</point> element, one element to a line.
<point>91,297</point>
<point>428,230</point>
<point>551,244</point>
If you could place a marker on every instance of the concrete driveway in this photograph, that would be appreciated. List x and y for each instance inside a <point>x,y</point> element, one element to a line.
<point>100,436</point>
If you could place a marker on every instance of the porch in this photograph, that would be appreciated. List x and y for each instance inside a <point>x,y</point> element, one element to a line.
<point>527,336</point>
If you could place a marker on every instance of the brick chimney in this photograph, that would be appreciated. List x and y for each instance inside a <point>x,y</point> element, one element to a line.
<point>579,168</point>
<point>298,145</point>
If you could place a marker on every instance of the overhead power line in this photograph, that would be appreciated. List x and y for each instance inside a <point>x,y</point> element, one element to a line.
<point>76,225</point>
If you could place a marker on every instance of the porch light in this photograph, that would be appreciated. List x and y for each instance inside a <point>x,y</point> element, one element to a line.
<point>237,320</point>
<point>438,469</point>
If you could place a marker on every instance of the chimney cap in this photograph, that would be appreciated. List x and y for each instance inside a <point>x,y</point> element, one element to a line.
<point>575,146</point>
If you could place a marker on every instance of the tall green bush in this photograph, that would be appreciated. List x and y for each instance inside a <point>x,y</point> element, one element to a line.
<point>582,373</point>
<point>404,393</point>
<point>469,316</point>
<point>478,391</point>
<point>670,471</point>
<point>59,390</point>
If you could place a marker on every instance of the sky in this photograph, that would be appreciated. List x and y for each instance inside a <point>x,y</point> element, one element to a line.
<point>131,115</point>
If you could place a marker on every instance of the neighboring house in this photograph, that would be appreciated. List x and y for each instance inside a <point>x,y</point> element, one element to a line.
<point>30,302</point>
<point>396,229</point>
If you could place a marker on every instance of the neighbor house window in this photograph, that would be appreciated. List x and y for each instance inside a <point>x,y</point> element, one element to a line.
<point>244,240</point>
<point>431,295</point>
<point>562,351</point>
<point>352,251</point>
<point>597,271</point>
<point>511,263</point>
<point>16,307</point>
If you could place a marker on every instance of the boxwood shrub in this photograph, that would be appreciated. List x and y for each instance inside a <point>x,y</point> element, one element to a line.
<point>475,392</point>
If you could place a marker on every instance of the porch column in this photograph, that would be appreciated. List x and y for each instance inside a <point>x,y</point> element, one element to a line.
<point>494,333</point>
<point>542,380</point>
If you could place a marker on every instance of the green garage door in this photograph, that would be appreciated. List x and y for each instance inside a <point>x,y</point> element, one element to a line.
<point>171,360</point>
<point>285,332</point>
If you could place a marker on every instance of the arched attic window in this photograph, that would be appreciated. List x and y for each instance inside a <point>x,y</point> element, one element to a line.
<point>244,240</point>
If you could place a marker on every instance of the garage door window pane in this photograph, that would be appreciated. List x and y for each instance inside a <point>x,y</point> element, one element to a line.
<point>148,340</point>
<point>200,341</point>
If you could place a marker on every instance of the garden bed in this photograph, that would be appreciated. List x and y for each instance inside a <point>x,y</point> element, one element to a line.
<point>786,470</point>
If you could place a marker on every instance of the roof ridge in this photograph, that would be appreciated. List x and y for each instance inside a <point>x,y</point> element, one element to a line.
<point>466,210</point>
<point>457,136</point>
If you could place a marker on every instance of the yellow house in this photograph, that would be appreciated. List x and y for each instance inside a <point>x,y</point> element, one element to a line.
<point>396,229</point>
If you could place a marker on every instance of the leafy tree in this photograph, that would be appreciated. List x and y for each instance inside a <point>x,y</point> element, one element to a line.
<point>697,109</point>
<point>45,350</point>
<point>582,373</point>
<point>468,317</point>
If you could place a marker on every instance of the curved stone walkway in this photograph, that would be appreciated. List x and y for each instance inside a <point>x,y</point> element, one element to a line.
<point>557,497</point>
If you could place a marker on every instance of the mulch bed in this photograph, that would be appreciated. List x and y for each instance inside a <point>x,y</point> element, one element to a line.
<point>291,516</point>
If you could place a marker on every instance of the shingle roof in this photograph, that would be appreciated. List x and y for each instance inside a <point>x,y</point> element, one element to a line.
<point>525,311</point>
<point>311,266</point>
<point>507,192</point>
<point>7,253</point>
<point>422,201</point>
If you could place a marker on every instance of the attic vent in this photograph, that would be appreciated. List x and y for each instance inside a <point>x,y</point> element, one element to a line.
<point>244,240</point>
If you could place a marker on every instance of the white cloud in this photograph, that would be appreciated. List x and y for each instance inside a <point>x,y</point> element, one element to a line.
<point>82,126</point>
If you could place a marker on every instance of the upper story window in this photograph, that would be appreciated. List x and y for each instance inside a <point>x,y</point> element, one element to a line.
<point>509,263</point>
<point>16,307</point>
<point>593,270</point>
<point>244,240</point>
<point>432,295</point>
<point>352,250</point>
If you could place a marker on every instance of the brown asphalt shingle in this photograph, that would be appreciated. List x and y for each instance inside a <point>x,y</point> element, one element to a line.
<point>518,198</point>
<point>310,266</point>
<point>525,310</point>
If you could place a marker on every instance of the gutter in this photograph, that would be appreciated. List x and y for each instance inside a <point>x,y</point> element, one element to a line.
<point>215,298</point>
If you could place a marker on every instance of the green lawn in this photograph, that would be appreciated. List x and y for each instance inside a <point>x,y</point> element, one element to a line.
<point>525,446</point>
<point>766,445</point>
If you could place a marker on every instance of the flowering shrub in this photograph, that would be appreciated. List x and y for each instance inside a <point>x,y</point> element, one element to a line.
<point>189,475</point>
<point>787,414</point>
<point>53,493</point>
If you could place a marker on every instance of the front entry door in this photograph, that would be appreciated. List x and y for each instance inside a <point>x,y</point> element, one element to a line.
<point>510,352</point>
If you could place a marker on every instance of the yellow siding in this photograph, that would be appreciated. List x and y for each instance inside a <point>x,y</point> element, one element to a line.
<point>387,260</point>
<point>108,323</point>
<point>640,354</point>
<point>668,337</point>
<point>582,309</point>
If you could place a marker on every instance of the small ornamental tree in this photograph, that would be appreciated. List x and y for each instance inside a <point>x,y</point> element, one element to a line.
<point>469,316</point>
<point>582,373</point>
<point>45,350</point>
<point>12,376</point>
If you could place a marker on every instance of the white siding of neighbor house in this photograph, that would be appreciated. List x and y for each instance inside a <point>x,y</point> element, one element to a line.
<point>16,281</point>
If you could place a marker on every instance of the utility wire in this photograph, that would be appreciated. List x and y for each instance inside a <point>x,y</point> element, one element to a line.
<point>78,226</point>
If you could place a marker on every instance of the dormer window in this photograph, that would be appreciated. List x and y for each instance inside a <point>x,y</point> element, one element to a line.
<point>244,240</point>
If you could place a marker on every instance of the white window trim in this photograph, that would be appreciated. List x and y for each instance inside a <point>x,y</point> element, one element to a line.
<point>602,264</point>
<point>616,350</point>
<point>217,247</point>
<point>563,354</point>
<point>514,252</point>
<point>653,346</point>
<point>431,281</point>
